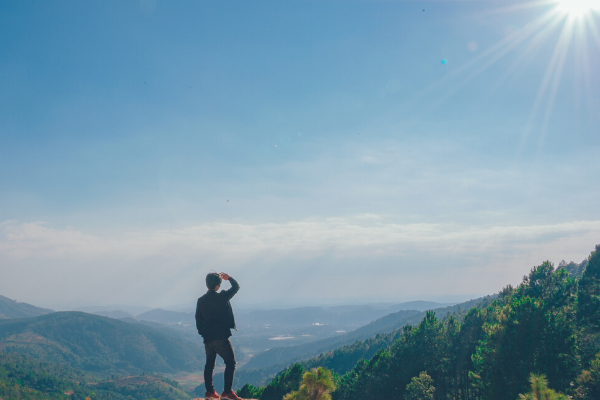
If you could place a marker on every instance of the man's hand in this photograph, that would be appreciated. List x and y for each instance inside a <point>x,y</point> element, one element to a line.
<point>224,276</point>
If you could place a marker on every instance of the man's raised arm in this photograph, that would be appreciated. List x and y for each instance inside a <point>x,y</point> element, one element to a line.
<point>234,286</point>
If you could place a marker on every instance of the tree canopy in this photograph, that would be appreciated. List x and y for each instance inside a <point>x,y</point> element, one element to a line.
<point>549,326</point>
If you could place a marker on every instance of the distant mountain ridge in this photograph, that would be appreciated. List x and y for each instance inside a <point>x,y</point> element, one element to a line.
<point>13,309</point>
<point>166,317</point>
<point>356,315</point>
<point>419,305</point>
<point>116,314</point>
<point>348,316</point>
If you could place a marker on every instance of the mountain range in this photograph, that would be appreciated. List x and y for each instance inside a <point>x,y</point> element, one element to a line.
<point>14,309</point>
<point>340,316</point>
<point>161,341</point>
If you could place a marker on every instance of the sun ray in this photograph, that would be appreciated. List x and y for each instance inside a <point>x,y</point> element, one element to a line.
<point>539,98</point>
<point>528,52</point>
<point>594,31</point>
<point>519,7</point>
<point>532,36</point>
<point>562,49</point>
<point>490,56</point>
<point>582,59</point>
<point>510,41</point>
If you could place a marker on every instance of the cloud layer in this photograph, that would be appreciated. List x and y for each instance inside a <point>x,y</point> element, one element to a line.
<point>361,258</point>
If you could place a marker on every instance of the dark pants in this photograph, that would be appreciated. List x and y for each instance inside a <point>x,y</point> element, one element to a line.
<point>223,348</point>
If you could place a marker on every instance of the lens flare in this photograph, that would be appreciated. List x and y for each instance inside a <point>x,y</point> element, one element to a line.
<point>578,8</point>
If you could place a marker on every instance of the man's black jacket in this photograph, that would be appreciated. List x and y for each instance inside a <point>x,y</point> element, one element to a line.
<point>214,316</point>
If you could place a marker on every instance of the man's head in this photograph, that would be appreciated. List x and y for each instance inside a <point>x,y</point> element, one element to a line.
<point>213,281</point>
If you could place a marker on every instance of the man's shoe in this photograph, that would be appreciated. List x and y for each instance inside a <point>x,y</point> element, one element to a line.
<point>211,396</point>
<point>230,395</point>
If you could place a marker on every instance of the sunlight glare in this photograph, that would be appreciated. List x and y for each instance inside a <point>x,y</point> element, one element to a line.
<point>578,8</point>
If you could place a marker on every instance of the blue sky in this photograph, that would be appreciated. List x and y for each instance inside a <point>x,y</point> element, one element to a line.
<point>446,145</point>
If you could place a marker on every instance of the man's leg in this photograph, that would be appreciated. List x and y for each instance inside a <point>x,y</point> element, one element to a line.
<point>225,350</point>
<point>211,357</point>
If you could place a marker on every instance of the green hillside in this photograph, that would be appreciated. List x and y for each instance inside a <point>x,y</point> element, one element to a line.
<point>341,353</point>
<point>290,354</point>
<point>550,324</point>
<point>99,344</point>
<point>23,377</point>
<point>14,309</point>
<point>345,358</point>
<point>276,357</point>
<point>266,365</point>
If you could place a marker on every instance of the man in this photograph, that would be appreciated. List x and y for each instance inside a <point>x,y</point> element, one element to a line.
<point>214,320</point>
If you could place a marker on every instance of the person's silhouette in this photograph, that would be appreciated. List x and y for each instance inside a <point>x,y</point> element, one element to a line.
<point>214,320</point>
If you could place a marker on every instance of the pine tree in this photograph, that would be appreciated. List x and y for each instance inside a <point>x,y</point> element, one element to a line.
<point>589,381</point>
<point>540,390</point>
<point>316,385</point>
<point>420,388</point>
<point>588,299</point>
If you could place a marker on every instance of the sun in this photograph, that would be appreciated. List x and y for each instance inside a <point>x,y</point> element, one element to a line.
<point>578,8</point>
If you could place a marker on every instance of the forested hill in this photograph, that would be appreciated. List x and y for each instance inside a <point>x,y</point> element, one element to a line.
<point>388,323</point>
<point>25,378</point>
<point>14,309</point>
<point>549,324</point>
<point>286,355</point>
<point>345,358</point>
<point>397,320</point>
<point>99,344</point>
<point>363,342</point>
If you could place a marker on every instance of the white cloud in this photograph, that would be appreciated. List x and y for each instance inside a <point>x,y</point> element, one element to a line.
<point>165,266</point>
